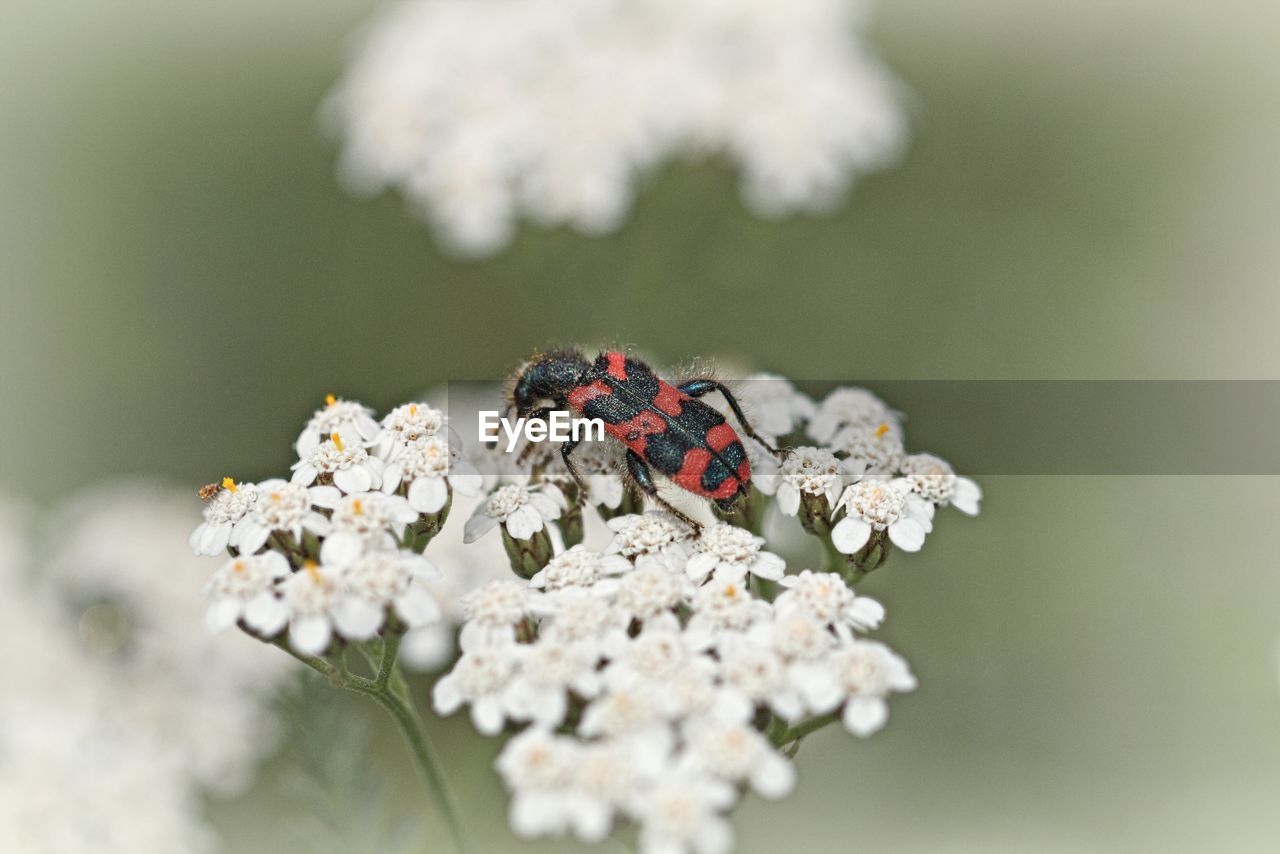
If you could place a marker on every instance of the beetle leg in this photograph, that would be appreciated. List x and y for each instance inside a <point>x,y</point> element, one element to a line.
<point>643,477</point>
<point>541,414</point>
<point>565,450</point>
<point>697,388</point>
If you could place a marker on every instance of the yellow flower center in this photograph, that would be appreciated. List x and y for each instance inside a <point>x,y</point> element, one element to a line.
<point>229,484</point>
<point>330,400</point>
<point>881,430</point>
<point>337,441</point>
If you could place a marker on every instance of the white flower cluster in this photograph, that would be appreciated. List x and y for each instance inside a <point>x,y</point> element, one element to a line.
<point>660,672</point>
<point>643,670</point>
<point>334,550</point>
<point>483,112</point>
<point>118,717</point>
<point>653,669</point>
<point>857,476</point>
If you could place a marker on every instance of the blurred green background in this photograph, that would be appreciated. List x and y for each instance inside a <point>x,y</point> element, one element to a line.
<point>1091,190</point>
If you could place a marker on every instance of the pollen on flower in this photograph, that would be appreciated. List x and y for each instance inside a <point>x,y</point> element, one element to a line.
<point>229,485</point>
<point>882,429</point>
<point>336,438</point>
<point>330,400</point>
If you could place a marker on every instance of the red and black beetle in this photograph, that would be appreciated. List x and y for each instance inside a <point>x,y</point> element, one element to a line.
<point>664,427</point>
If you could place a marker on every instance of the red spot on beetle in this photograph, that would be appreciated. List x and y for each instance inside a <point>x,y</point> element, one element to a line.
<point>617,366</point>
<point>720,437</point>
<point>579,397</point>
<point>669,399</point>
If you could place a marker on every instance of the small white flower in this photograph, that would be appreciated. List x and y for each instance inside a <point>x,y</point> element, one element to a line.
<point>538,769</point>
<point>581,568</point>
<point>650,537</point>
<point>606,775</point>
<point>407,424</point>
<point>480,678</point>
<point>681,813</point>
<point>577,616</point>
<point>827,598</point>
<point>492,611</point>
<point>846,407</point>
<point>222,516</point>
<point>650,591</point>
<point>348,419</point>
<point>796,635</point>
<point>347,465</point>
<point>775,405</point>
<point>310,597</point>
<point>430,468</point>
<point>861,674</point>
<point>723,609</point>
<point>245,588</point>
<point>288,508</point>
<point>809,471</point>
<point>651,659</point>
<point>549,670</point>
<point>877,505</point>
<point>521,510</point>
<point>935,481</point>
<point>756,672</point>
<point>363,522</point>
<point>630,711</point>
<point>737,753</point>
<point>873,450</point>
<point>382,579</point>
<point>729,550</point>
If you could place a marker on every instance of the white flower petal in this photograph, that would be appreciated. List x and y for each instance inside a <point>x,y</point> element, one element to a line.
<point>428,494</point>
<point>222,614</point>
<point>907,534</point>
<point>479,524</point>
<point>850,534</point>
<point>310,635</point>
<point>266,614</point>
<point>357,618</point>
<point>417,607</point>
<point>865,715</point>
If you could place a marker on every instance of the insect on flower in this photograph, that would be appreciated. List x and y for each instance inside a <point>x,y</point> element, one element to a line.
<point>664,427</point>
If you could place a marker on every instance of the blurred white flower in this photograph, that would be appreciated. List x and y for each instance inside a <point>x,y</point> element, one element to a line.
<point>827,598</point>
<point>482,113</point>
<point>860,674</point>
<point>850,407</point>
<point>774,405</point>
<point>682,813</point>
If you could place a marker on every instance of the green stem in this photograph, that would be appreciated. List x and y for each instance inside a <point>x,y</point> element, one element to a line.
<point>788,735</point>
<point>389,690</point>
